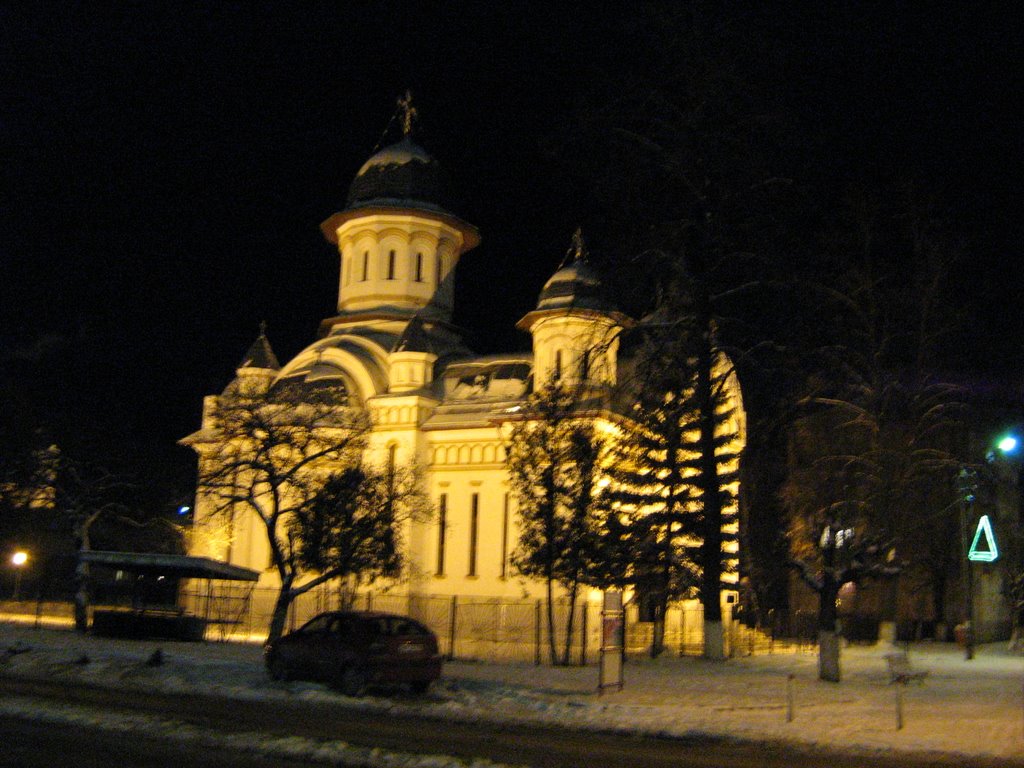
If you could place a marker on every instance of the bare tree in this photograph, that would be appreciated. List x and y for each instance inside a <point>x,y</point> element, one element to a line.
<point>555,457</point>
<point>269,453</point>
<point>880,440</point>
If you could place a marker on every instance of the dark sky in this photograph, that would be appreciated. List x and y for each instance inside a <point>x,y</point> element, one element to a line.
<point>165,167</point>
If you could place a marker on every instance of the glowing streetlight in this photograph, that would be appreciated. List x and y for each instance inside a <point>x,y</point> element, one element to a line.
<point>18,560</point>
<point>1008,444</point>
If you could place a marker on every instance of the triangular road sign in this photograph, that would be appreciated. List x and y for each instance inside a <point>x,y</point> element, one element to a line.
<point>983,548</point>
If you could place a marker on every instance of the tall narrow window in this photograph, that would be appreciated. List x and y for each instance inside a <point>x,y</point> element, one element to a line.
<point>504,539</point>
<point>585,365</point>
<point>391,265</point>
<point>442,528</point>
<point>366,265</point>
<point>558,365</point>
<point>419,267</point>
<point>474,523</point>
<point>440,266</point>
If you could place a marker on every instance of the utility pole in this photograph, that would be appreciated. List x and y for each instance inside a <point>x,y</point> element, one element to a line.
<point>967,485</point>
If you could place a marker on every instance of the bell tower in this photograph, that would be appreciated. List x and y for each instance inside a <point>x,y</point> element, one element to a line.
<point>397,240</point>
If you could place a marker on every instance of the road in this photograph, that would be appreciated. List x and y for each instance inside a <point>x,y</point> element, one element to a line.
<point>542,747</point>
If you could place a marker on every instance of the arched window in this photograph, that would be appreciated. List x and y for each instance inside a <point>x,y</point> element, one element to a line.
<point>557,375</point>
<point>391,265</point>
<point>366,265</point>
<point>419,268</point>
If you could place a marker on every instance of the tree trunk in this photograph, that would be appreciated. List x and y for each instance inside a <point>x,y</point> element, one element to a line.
<point>280,614</point>
<point>828,656</point>
<point>570,620</point>
<point>711,548</point>
<point>552,642</point>
<point>82,586</point>
<point>828,636</point>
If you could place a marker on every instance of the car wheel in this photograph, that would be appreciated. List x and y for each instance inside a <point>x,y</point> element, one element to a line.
<point>353,681</point>
<point>277,668</point>
<point>420,686</point>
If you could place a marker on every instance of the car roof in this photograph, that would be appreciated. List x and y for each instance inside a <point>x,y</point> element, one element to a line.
<point>366,615</point>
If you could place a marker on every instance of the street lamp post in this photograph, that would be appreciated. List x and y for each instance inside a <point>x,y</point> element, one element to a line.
<point>18,560</point>
<point>967,483</point>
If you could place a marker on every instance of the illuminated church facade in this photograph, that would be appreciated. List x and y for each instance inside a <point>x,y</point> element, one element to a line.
<point>392,350</point>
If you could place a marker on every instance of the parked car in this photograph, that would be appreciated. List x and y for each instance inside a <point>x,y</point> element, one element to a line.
<point>352,650</point>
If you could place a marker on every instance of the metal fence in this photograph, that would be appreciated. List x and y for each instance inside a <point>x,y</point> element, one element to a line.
<point>481,628</point>
<point>470,628</point>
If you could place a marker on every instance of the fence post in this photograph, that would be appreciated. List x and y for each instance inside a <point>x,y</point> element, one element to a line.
<point>451,628</point>
<point>536,633</point>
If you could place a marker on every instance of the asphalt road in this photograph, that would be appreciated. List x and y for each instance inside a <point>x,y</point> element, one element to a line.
<point>510,744</point>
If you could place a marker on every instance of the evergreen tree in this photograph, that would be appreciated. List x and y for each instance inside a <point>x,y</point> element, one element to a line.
<point>680,531</point>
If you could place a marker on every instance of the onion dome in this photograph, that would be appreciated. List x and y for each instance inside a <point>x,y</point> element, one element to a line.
<point>401,175</point>
<point>576,284</point>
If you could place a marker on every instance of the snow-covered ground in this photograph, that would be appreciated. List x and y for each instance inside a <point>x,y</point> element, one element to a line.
<point>969,707</point>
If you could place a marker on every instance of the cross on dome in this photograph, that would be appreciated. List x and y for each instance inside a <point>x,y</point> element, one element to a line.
<point>408,112</point>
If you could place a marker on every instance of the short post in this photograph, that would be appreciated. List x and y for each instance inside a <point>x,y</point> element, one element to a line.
<point>790,701</point>
<point>451,628</point>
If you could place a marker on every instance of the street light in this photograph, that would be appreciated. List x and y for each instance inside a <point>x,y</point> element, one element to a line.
<point>967,485</point>
<point>18,560</point>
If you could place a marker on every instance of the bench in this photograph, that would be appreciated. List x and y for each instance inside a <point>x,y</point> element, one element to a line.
<point>901,671</point>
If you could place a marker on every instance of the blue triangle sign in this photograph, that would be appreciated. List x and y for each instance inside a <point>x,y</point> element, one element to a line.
<point>983,548</point>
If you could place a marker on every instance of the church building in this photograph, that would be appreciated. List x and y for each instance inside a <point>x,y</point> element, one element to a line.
<point>392,350</point>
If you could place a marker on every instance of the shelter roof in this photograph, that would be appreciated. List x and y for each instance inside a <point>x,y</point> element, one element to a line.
<point>175,566</point>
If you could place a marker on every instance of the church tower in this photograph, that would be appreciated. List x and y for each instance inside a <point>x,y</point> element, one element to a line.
<point>398,241</point>
<point>575,328</point>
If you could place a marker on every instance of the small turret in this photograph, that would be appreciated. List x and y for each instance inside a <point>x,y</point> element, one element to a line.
<point>411,362</point>
<point>575,328</point>
<point>259,366</point>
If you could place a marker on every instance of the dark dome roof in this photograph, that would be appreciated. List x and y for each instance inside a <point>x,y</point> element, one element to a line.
<point>574,285</point>
<point>400,175</point>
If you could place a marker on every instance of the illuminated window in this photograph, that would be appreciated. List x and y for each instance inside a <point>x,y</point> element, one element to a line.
<point>474,523</point>
<point>391,265</point>
<point>442,528</point>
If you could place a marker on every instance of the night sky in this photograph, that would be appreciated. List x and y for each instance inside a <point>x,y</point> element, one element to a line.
<point>165,167</point>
